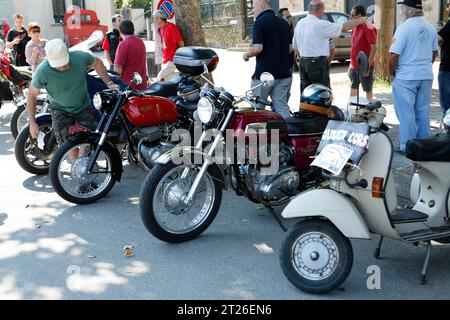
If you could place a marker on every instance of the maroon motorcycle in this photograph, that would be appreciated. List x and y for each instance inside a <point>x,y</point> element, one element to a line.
<point>256,152</point>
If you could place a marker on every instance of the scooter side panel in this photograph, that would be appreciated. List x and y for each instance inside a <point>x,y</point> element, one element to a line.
<point>331,205</point>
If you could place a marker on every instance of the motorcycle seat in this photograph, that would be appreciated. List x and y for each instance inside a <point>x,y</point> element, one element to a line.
<point>164,89</point>
<point>304,122</point>
<point>190,106</point>
<point>435,148</point>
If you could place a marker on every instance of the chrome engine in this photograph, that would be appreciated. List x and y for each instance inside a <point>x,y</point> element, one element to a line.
<point>153,142</point>
<point>272,188</point>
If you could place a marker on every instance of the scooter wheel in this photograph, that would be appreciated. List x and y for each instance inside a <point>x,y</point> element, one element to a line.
<point>315,256</point>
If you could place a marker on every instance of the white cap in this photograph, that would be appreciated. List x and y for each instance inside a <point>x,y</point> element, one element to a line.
<point>57,53</point>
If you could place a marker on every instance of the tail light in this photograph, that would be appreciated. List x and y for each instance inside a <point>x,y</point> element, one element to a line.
<point>377,187</point>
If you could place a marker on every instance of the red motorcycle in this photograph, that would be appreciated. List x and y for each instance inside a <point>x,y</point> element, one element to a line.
<point>258,153</point>
<point>86,167</point>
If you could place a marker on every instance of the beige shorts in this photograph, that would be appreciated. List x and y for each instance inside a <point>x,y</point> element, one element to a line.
<point>168,71</point>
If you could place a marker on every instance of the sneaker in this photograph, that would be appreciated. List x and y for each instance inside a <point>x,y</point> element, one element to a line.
<point>87,187</point>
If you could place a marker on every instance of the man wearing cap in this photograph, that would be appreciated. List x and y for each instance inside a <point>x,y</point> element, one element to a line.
<point>444,69</point>
<point>112,40</point>
<point>312,43</point>
<point>414,49</point>
<point>63,75</point>
<point>171,40</point>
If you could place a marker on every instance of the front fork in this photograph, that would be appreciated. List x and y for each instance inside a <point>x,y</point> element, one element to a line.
<point>208,160</point>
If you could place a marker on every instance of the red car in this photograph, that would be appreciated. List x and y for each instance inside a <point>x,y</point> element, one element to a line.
<point>80,24</point>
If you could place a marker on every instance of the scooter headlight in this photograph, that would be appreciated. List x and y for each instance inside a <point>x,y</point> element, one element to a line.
<point>205,110</point>
<point>97,101</point>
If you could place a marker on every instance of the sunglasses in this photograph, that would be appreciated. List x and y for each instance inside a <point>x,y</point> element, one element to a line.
<point>36,31</point>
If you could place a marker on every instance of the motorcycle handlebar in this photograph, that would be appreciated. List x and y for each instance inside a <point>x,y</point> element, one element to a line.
<point>262,101</point>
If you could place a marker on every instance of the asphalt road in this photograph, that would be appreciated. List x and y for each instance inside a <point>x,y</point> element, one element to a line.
<point>51,249</point>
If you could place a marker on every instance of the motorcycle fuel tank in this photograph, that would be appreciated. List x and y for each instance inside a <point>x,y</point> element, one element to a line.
<point>150,110</point>
<point>248,122</point>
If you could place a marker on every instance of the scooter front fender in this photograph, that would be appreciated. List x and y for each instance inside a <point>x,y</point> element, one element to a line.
<point>178,154</point>
<point>331,205</point>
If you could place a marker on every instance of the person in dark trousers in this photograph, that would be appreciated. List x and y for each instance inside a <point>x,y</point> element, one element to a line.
<point>272,39</point>
<point>364,38</point>
<point>312,43</point>
<point>285,14</point>
<point>444,69</point>
<point>17,39</point>
<point>112,40</point>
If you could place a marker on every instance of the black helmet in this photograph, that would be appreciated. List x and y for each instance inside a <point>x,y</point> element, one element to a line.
<point>318,95</point>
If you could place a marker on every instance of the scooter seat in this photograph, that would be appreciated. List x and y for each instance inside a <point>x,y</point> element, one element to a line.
<point>436,148</point>
<point>304,122</point>
<point>164,89</point>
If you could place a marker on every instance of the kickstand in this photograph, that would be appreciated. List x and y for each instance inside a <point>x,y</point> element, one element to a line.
<point>423,278</point>
<point>274,214</point>
<point>377,252</point>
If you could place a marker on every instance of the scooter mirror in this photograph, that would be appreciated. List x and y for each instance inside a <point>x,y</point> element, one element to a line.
<point>137,78</point>
<point>363,62</point>
<point>267,79</point>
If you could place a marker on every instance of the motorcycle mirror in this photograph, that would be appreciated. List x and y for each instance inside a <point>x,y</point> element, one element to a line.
<point>267,79</point>
<point>205,70</point>
<point>137,78</point>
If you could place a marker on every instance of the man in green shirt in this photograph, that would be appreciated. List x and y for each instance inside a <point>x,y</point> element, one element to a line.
<point>63,75</point>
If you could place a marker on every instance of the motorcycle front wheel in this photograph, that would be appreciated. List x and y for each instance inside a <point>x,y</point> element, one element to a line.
<point>29,156</point>
<point>163,211</point>
<point>315,256</point>
<point>69,176</point>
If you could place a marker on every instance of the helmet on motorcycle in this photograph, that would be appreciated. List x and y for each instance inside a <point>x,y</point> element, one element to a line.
<point>447,121</point>
<point>317,98</point>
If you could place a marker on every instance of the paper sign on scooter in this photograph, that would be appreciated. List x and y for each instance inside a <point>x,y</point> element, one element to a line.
<point>350,135</point>
<point>333,158</point>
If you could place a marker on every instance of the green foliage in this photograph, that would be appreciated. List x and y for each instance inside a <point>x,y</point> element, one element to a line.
<point>131,3</point>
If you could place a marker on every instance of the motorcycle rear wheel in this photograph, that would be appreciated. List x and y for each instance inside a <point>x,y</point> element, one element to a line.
<point>162,211</point>
<point>19,118</point>
<point>29,156</point>
<point>69,177</point>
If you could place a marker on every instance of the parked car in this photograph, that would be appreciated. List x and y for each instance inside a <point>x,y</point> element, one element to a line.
<point>80,24</point>
<point>344,42</point>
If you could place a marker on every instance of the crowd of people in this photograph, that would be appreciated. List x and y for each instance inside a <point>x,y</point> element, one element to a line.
<point>412,54</point>
<point>277,45</point>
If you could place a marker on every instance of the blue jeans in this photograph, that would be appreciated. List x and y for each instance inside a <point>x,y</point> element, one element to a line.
<point>444,90</point>
<point>412,99</point>
<point>278,93</point>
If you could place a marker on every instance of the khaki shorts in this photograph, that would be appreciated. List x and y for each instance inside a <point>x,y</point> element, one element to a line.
<point>168,71</point>
<point>62,121</point>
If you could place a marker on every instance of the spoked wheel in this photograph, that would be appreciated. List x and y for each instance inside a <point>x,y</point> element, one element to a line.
<point>315,256</point>
<point>19,118</point>
<point>28,154</point>
<point>163,209</point>
<point>69,176</point>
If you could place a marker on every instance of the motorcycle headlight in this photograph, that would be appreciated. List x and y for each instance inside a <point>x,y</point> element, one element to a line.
<point>205,110</point>
<point>97,101</point>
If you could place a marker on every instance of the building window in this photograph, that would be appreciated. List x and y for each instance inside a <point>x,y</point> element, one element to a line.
<point>79,3</point>
<point>59,8</point>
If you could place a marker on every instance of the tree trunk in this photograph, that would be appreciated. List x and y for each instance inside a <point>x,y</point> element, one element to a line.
<point>188,17</point>
<point>384,21</point>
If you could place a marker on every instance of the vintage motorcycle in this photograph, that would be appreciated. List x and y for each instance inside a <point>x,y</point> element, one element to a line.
<point>147,121</point>
<point>182,194</point>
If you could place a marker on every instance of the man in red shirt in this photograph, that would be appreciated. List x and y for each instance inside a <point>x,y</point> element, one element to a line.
<point>171,41</point>
<point>364,38</point>
<point>131,56</point>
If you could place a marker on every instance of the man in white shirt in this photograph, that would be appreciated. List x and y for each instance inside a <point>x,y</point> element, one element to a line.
<point>311,42</point>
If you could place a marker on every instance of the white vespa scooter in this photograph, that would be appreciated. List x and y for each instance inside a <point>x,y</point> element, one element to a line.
<point>316,254</point>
